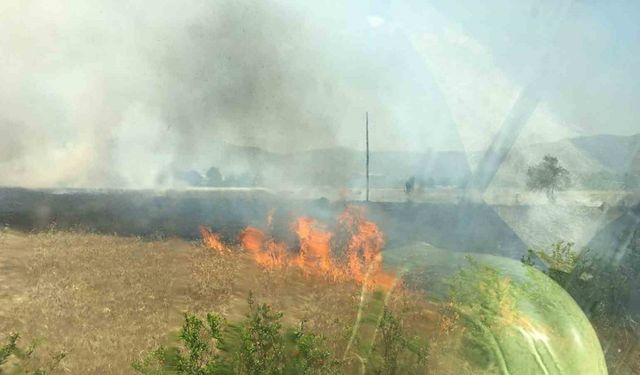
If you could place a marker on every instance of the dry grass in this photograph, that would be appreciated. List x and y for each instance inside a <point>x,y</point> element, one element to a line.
<point>100,298</point>
<point>104,299</point>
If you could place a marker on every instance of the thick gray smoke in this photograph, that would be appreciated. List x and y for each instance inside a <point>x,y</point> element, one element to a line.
<point>114,94</point>
<point>124,94</point>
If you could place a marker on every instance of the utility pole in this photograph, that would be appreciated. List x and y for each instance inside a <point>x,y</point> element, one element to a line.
<point>367,141</point>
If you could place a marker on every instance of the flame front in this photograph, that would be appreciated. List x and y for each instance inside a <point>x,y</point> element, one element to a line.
<point>361,261</point>
<point>212,240</point>
<point>315,247</point>
<point>364,250</point>
<point>266,251</point>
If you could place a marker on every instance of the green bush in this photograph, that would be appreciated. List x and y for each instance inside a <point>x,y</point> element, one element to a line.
<point>17,360</point>
<point>261,342</point>
<point>601,287</point>
<point>395,353</point>
<point>560,261</point>
<point>310,355</point>
<point>197,354</point>
<point>258,345</point>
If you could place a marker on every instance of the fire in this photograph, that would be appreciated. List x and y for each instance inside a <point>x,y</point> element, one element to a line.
<point>252,239</point>
<point>315,247</point>
<point>364,249</point>
<point>212,240</point>
<point>361,260</point>
<point>266,251</point>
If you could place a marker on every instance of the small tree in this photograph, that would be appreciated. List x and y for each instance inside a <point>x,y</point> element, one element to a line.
<point>548,176</point>
<point>214,177</point>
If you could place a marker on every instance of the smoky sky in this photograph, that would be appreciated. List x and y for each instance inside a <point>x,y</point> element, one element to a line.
<point>115,93</point>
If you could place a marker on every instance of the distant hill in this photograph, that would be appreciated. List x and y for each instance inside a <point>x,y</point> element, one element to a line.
<point>592,158</point>
<point>615,153</point>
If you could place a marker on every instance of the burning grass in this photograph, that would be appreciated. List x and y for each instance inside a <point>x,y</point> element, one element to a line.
<point>318,252</point>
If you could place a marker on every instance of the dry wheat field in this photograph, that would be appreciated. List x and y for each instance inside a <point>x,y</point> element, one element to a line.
<point>105,299</point>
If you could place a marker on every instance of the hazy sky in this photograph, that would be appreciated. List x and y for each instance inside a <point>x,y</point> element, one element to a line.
<point>101,90</point>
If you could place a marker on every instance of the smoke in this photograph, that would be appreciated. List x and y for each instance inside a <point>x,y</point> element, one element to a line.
<point>123,94</point>
<point>116,94</point>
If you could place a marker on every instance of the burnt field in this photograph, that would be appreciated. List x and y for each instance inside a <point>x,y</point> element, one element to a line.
<point>469,227</point>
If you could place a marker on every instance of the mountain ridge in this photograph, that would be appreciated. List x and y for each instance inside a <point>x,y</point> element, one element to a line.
<point>583,156</point>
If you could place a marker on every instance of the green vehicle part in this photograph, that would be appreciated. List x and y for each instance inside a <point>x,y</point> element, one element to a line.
<point>517,321</point>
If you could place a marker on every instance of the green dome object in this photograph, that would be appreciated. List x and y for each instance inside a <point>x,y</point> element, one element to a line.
<point>515,320</point>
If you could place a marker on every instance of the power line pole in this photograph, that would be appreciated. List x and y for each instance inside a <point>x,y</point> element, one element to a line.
<point>367,141</point>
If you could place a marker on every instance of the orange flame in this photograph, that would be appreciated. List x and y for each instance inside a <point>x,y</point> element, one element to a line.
<point>362,258</point>
<point>212,240</point>
<point>364,251</point>
<point>266,251</point>
<point>315,246</point>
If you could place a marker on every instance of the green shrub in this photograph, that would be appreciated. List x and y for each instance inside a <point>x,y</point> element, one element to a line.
<point>601,287</point>
<point>393,352</point>
<point>7,350</point>
<point>198,353</point>
<point>560,261</point>
<point>261,343</point>
<point>310,355</point>
<point>258,345</point>
<point>17,360</point>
